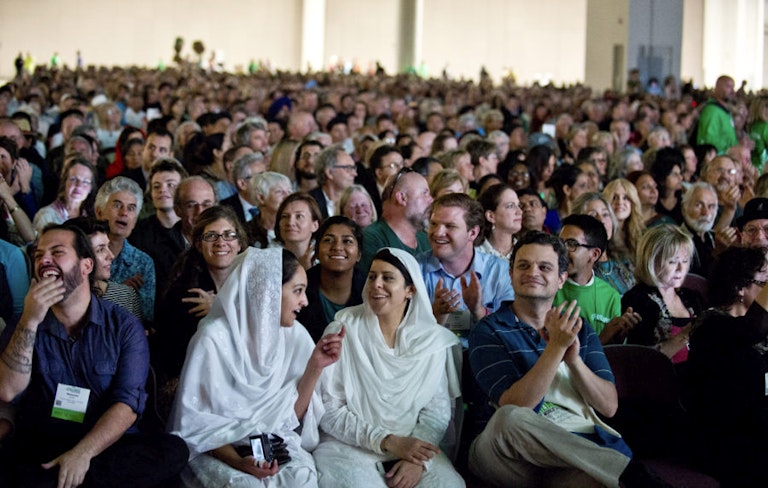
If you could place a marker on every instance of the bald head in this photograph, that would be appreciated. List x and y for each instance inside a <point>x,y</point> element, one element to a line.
<point>724,89</point>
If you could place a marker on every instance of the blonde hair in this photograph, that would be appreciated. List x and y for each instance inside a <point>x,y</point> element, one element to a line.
<point>445,178</point>
<point>657,246</point>
<point>634,225</point>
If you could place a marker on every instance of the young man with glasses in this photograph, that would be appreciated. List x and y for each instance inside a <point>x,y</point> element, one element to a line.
<point>585,239</point>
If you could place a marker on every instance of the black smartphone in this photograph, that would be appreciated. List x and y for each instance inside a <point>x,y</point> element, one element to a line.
<point>385,467</point>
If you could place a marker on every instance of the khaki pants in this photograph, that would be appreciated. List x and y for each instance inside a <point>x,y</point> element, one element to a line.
<point>520,448</point>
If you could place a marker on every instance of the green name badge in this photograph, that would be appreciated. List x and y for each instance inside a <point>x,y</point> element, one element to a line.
<point>70,403</point>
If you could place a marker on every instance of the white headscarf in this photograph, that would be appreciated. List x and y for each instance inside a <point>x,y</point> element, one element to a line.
<point>242,367</point>
<point>388,387</point>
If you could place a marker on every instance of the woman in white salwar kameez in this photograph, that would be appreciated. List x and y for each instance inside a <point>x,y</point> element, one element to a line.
<point>390,395</point>
<point>251,369</point>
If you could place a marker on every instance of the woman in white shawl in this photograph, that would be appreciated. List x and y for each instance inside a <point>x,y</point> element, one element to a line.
<point>251,369</point>
<point>390,395</point>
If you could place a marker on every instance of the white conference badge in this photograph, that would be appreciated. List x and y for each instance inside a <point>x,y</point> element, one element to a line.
<point>70,403</point>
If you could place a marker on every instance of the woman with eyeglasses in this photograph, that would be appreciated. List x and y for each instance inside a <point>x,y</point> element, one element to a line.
<point>77,192</point>
<point>727,370</point>
<point>217,238</point>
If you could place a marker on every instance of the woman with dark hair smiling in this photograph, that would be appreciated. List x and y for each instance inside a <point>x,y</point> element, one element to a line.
<point>218,237</point>
<point>335,283</point>
<point>390,395</point>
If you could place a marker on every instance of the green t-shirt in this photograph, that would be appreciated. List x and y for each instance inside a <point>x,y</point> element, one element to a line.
<point>599,301</point>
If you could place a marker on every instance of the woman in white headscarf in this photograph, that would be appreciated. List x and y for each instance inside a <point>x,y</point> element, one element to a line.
<point>390,395</point>
<point>252,369</point>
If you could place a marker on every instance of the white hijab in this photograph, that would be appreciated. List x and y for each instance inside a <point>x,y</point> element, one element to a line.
<point>242,367</point>
<point>388,387</point>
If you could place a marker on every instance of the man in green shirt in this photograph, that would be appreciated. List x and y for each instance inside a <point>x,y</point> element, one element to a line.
<point>715,123</point>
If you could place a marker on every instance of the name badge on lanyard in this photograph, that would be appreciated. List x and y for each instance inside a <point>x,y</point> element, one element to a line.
<point>70,403</point>
<point>459,320</point>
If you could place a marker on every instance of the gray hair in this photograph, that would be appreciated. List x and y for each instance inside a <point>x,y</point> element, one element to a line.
<point>327,159</point>
<point>119,183</point>
<point>242,134</point>
<point>262,183</point>
<point>351,190</point>
<point>241,168</point>
<point>701,185</point>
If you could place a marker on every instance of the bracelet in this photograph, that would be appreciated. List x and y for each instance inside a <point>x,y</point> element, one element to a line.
<point>10,212</point>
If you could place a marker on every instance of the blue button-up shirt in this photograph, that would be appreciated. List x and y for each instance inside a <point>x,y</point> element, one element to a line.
<point>132,261</point>
<point>493,273</point>
<point>110,358</point>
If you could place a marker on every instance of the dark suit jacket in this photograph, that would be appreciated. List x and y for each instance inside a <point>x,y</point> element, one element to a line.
<point>317,194</point>
<point>233,202</point>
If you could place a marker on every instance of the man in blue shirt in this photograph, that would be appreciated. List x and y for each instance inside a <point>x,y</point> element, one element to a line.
<point>463,283</point>
<point>545,369</point>
<point>76,367</point>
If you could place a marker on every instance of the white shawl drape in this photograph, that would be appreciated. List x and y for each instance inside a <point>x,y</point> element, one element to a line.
<point>242,368</point>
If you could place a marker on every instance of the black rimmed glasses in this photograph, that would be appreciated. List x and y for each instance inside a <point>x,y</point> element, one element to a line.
<point>227,235</point>
<point>390,188</point>
<point>759,283</point>
<point>573,244</point>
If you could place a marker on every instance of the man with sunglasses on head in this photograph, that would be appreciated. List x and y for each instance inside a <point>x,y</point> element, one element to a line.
<point>405,201</point>
<point>585,239</point>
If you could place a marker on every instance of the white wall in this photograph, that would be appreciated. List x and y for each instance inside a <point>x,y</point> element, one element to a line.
<point>537,40</point>
<point>607,26</point>
<point>142,31</point>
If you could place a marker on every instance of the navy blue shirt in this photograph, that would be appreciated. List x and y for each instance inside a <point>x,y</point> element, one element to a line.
<point>502,349</point>
<point>110,358</point>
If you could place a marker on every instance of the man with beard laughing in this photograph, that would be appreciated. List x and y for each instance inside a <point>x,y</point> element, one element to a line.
<point>81,364</point>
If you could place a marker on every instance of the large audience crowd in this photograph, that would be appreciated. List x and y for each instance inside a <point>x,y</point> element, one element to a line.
<point>301,263</point>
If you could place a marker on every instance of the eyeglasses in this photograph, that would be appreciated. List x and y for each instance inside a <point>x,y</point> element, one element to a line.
<point>752,231</point>
<point>390,188</point>
<point>726,171</point>
<point>227,235</point>
<point>395,166</point>
<point>74,180</point>
<point>573,244</point>
<point>346,167</point>
<point>758,283</point>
